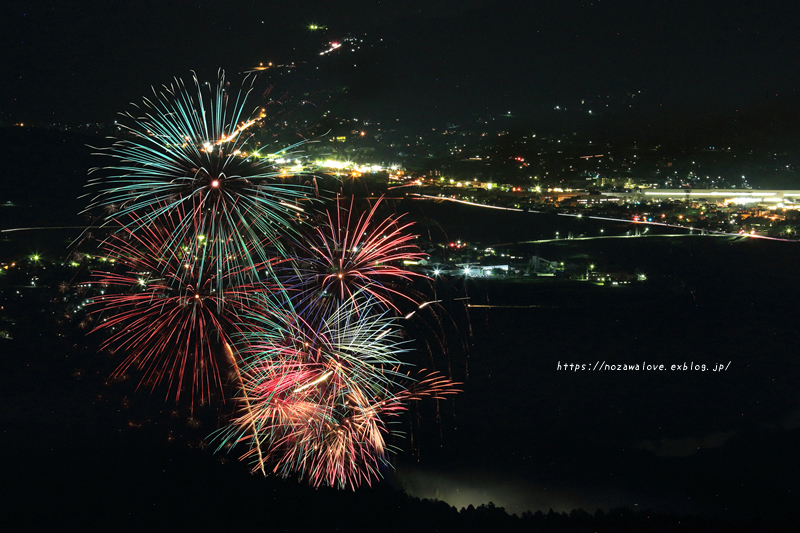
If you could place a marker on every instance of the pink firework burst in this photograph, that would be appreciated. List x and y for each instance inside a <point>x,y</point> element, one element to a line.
<point>356,251</point>
<point>315,401</point>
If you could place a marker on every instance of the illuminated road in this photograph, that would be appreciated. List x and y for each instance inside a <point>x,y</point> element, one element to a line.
<point>703,232</point>
<point>542,241</point>
<point>442,198</point>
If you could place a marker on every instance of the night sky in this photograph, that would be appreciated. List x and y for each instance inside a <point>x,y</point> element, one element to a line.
<point>520,433</point>
<point>423,60</point>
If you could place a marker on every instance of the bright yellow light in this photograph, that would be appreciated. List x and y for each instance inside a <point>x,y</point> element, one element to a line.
<point>320,379</point>
<point>293,207</point>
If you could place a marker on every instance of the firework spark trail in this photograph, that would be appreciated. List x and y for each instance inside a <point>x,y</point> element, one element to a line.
<point>164,308</point>
<point>354,251</point>
<point>318,399</point>
<point>187,150</point>
<point>235,365</point>
<point>201,232</point>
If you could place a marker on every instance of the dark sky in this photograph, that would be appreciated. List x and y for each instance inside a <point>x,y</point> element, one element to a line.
<point>86,60</point>
<point>702,443</point>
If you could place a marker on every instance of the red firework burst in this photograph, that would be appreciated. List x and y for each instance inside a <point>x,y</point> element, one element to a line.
<point>315,402</point>
<point>355,251</point>
<point>171,303</point>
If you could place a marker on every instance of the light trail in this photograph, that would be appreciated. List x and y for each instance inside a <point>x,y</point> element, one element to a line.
<point>292,207</point>
<point>235,133</point>
<point>704,232</point>
<point>510,306</point>
<point>320,379</point>
<point>50,227</point>
<point>541,241</point>
<point>428,197</point>
<point>232,358</point>
<point>646,222</point>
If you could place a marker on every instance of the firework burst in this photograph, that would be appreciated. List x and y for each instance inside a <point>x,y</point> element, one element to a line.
<point>215,266</point>
<point>193,150</point>
<point>316,401</point>
<point>170,305</point>
<point>354,251</point>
